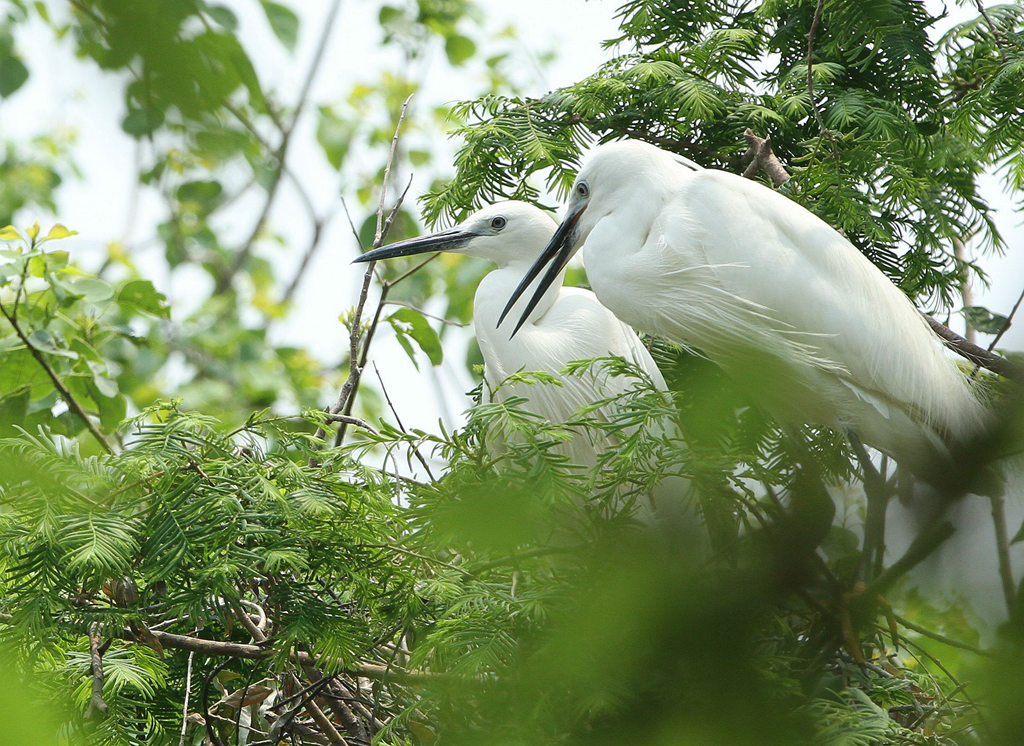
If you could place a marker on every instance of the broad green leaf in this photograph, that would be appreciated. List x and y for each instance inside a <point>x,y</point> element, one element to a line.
<point>334,135</point>
<point>10,233</point>
<point>224,16</point>
<point>141,122</point>
<point>13,75</point>
<point>283,22</point>
<point>92,289</point>
<point>983,320</point>
<point>410,322</point>
<point>142,296</point>
<point>459,48</point>
<point>14,409</point>
<point>44,341</point>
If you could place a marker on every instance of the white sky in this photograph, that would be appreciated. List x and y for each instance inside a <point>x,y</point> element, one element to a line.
<point>65,93</point>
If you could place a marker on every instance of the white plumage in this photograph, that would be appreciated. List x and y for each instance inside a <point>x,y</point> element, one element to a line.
<point>565,324</point>
<point>766,290</point>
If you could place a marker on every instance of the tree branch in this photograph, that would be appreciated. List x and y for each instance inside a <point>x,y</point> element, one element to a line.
<point>58,384</point>
<point>977,355</point>
<point>96,703</point>
<point>226,278</point>
<point>811,35</point>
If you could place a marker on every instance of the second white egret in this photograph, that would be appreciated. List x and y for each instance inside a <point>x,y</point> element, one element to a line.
<point>765,289</point>
<point>563,324</point>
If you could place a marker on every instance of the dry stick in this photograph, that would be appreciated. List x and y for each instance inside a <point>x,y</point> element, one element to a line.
<point>966,295</point>
<point>322,721</point>
<point>998,505</point>
<point>977,355</point>
<point>96,702</point>
<point>65,394</point>
<point>250,651</point>
<point>811,34</point>
<point>1009,319</point>
<point>338,707</point>
<point>188,688</point>
<point>224,282</point>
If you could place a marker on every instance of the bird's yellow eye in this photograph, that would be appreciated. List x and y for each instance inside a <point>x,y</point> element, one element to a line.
<point>498,223</point>
<point>583,189</point>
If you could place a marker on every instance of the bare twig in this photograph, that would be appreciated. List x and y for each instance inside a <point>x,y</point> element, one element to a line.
<point>242,255</point>
<point>811,35</point>
<point>337,706</point>
<point>998,506</point>
<point>977,355</point>
<point>938,637</point>
<point>96,703</point>
<point>322,721</point>
<point>401,427</point>
<point>58,384</point>
<point>966,295</point>
<point>997,35</point>
<point>188,692</point>
<point>923,545</point>
<point>1009,319</point>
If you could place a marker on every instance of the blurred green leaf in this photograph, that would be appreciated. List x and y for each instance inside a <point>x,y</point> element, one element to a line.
<point>283,22</point>
<point>142,296</point>
<point>13,75</point>
<point>459,49</point>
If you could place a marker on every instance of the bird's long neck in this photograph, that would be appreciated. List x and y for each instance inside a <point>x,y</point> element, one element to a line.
<point>496,288</point>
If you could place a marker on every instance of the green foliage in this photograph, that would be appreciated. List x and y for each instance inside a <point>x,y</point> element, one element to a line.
<point>229,574</point>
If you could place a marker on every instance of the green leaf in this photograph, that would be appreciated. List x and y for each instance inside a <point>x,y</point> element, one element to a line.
<point>459,49</point>
<point>142,296</point>
<point>10,233</point>
<point>334,135</point>
<point>223,16</point>
<point>58,231</point>
<point>141,122</point>
<point>14,410</point>
<point>283,22</point>
<point>408,322</point>
<point>92,289</point>
<point>983,320</point>
<point>13,75</point>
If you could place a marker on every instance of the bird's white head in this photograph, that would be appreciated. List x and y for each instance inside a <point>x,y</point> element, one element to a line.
<point>616,175</point>
<point>506,232</point>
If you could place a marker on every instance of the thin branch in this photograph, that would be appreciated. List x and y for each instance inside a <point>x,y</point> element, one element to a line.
<point>878,494</point>
<point>401,427</point>
<point>257,652</point>
<point>811,35</point>
<point>977,355</point>
<point>998,505</point>
<point>997,35</point>
<point>349,420</point>
<point>938,637</point>
<point>322,721</point>
<point>966,295</point>
<point>1009,319</point>
<point>188,692</point>
<point>65,394</point>
<point>356,361</point>
<point>242,255</point>
<point>96,703</point>
<point>923,545</point>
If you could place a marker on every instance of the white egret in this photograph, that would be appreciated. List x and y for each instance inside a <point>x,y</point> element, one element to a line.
<point>564,324</point>
<point>765,289</point>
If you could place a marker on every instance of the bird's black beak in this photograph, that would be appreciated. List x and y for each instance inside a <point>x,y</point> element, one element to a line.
<point>452,239</point>
<point>558,252</point>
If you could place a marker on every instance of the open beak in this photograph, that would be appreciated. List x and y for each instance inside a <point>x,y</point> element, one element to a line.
<point>558,252</point>
<point>452,239</point>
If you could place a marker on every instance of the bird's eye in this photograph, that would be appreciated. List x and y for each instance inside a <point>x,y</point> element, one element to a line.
<point>583,189</point>
<point>498,223</point>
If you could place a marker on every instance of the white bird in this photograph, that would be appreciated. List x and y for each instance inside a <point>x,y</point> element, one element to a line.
<point>564,324</point>
<point>765,289</point>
